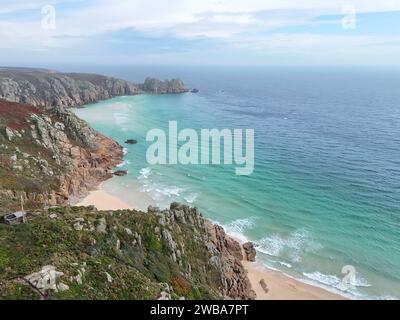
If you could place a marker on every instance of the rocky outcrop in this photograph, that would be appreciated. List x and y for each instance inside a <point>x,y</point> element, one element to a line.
<point>120,173</point>
<point>249,251</point>
<point>52,156</point>
<point>225,253</point>
<point>48,88</point>
<point>48,278</point>
<point>131,141</point>
<point>153,85</point>
<point>227,256</point>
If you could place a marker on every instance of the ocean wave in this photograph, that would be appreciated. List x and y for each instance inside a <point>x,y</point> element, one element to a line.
<point>169,191</point>
<point>122,164</point>
<point>190,198</point>
<point>335,281</point>
<point>236,228</point>
<point>338,283</point>
<point>287,265</point>
<point>292,247</point>
<point>144,173</point>
<point>160,193</point>
<point>240,225</point>
<point>125,151</point>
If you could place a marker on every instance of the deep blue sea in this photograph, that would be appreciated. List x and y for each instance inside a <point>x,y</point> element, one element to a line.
<point>325,191</point>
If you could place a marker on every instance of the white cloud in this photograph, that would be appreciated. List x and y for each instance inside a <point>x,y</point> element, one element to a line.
<point>224,15</point>
<point>240,23</point>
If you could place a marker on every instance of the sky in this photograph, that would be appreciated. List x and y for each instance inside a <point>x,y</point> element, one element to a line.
<point>194,32</point>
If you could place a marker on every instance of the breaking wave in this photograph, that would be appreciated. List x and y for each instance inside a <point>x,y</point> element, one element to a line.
<point>331,281</point>
<point>291,247</point>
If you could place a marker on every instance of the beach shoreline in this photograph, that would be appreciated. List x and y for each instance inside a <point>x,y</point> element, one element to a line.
<point>279,286</point>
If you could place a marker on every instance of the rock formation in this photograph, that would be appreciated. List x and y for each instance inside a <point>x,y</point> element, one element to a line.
<point>120,173</point>
<point>153,85</point>
<point>249,251</point>
<point>225,252</point>
<point>51,156</point>
<point>48,88</point>
<point>131,141</point>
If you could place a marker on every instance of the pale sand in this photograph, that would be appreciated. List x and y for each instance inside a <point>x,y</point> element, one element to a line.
<point>280,286</point>
<point>283,287</point>
<point>104,201</point>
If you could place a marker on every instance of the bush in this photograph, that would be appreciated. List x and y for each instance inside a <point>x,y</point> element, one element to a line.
<point>180,286</point>
<point>4,259</point>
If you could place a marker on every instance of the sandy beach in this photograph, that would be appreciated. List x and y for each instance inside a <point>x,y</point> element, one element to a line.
<point>279,286</point>
<point>283,287</point>
<point>103,201</point>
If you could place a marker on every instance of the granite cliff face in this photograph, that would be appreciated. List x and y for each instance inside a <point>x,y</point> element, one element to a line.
<point>40,87</point>
<point>51,156</point>
<point>48,88</point>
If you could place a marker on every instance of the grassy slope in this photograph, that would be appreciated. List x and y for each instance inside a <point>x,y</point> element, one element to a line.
<point>137,270</point>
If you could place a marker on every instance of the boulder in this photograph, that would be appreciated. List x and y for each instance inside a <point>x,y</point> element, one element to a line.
<point>46,279</point>
<point>250,251</point>
<point>102,226</point>
<point>131,141</point>
<point>120,173</point>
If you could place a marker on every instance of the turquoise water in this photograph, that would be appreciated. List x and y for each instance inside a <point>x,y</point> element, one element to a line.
<point>325,191</point>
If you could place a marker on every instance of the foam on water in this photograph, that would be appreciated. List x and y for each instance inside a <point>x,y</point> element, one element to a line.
<point>330,282</point>
<point>190,198</point>
<point>237,228</point>
<point>124,163</point>
<point>144,173</point>
<point>293,246</point>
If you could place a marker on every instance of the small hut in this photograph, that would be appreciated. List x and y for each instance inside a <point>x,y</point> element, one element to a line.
<point>16,217</point>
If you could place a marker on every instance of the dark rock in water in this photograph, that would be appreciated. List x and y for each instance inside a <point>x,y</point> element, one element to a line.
<point>194,90</point>
<point>120,173</point>
<point>131,141</point>
<point>250,251</point>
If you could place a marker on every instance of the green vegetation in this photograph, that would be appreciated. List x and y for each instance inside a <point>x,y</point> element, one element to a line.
<point>130,260</point>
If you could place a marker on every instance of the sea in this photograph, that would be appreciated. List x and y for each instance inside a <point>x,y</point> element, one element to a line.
<point>323,202</point>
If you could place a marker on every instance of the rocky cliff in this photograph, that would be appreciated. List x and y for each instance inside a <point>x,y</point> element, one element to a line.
<point>47,88</point>
<point>82,253</point>
<point>49,156</point>
<point>40,87</point>
<point>153,85</point>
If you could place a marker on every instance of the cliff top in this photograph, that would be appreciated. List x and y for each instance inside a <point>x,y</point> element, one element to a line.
<point>123,254</point>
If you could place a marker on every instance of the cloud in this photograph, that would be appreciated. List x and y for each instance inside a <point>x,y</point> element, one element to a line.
<point>170,16</point>
<point>247,24</point>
